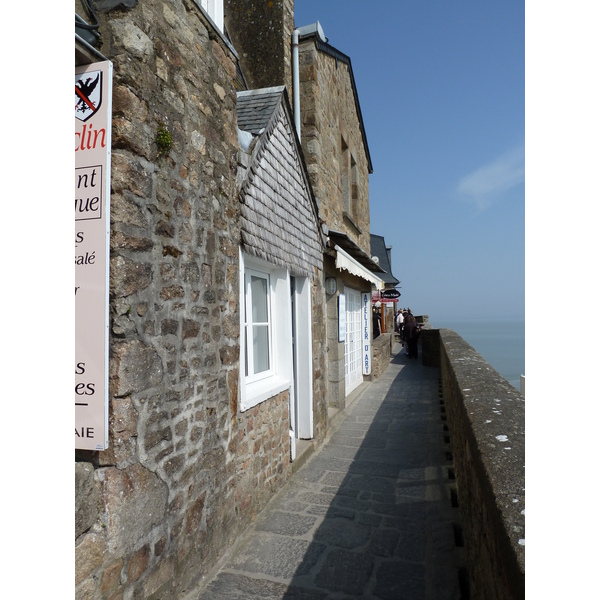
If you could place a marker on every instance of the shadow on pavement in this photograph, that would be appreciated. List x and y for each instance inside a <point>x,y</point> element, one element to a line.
<point>372,515</point>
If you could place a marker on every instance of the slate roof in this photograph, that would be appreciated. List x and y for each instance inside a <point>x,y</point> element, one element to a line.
<point>256,107</point>
<point>280,220</point>
<point>379,249</point>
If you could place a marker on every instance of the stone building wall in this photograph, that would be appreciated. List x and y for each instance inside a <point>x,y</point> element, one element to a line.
<point>329,115</point>
<point>185,471</point>
<point>319,359</point>
<point>335,349</point>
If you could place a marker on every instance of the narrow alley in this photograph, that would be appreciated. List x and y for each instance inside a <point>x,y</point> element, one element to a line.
<point>371,515</point>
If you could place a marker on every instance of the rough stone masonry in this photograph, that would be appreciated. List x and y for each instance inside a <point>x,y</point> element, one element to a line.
<point>185,471</point>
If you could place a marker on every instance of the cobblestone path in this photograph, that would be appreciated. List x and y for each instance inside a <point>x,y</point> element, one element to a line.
<point>371,515</point>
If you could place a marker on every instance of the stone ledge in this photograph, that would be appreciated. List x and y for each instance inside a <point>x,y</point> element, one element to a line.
<point>486,420</point>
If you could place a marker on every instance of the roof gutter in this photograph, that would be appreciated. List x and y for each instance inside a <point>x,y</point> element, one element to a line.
<point>85,53</point>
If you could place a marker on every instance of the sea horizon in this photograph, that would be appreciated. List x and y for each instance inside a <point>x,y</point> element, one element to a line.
<point>499,340</point>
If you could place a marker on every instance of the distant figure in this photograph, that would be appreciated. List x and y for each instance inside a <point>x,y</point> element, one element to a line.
<point>376,324</point>
<point>399,322</point>
<point>403,332</point>
<point>411,334</point>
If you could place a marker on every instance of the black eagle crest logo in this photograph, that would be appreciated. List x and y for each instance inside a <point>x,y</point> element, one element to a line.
<point>88,94</point>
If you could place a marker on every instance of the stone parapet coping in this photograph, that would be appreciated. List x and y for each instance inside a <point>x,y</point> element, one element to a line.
<point>486,422</point>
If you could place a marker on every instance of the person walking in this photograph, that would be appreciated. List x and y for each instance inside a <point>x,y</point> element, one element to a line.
<point>376,323</point>
<point>411,333</point>
<point>399,323</point>
<point>403,330</point>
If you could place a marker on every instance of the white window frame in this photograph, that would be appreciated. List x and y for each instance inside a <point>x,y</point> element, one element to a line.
<point>249,325</point>
<point>257,388</point>
<point>214,9</point>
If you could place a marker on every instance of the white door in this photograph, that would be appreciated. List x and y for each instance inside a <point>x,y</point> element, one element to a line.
<point>301,394</point>
<point>353,344</point>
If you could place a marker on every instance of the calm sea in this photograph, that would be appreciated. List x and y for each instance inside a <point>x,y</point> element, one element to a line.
<point>501,343</point>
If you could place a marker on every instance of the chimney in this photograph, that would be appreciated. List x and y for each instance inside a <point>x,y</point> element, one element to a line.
<point>261,32</point>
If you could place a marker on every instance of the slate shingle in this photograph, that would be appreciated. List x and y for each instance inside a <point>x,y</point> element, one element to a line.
<point>279,216</point>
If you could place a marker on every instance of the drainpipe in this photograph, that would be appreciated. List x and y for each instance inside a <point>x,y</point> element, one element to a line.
<point>296,81</point>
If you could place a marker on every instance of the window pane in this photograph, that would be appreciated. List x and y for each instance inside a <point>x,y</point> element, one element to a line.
<point>259,300</point>
<point>260,345</point>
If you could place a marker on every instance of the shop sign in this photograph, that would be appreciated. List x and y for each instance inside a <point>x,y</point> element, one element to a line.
<point>341,318</point>
<point>385,296</point>
<point>390,294</point>
<point>366,332</point>
<point>93,107</point>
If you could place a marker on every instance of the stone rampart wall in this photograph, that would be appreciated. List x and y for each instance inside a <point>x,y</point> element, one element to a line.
<point>486,418</point>
<point>382,354</point>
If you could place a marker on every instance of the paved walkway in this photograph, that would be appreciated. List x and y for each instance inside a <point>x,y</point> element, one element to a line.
<point>370,515</point>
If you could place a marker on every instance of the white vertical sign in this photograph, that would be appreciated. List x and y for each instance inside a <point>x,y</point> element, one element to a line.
<point>341,318</point>
<point>366,332</point>
<point>93,107</point>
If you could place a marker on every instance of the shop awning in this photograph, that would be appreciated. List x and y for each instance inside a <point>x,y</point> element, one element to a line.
<point>344,261</point>
<point>354,250</point>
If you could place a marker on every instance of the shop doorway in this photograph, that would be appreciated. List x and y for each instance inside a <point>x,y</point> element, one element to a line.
<point>353,343</point>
